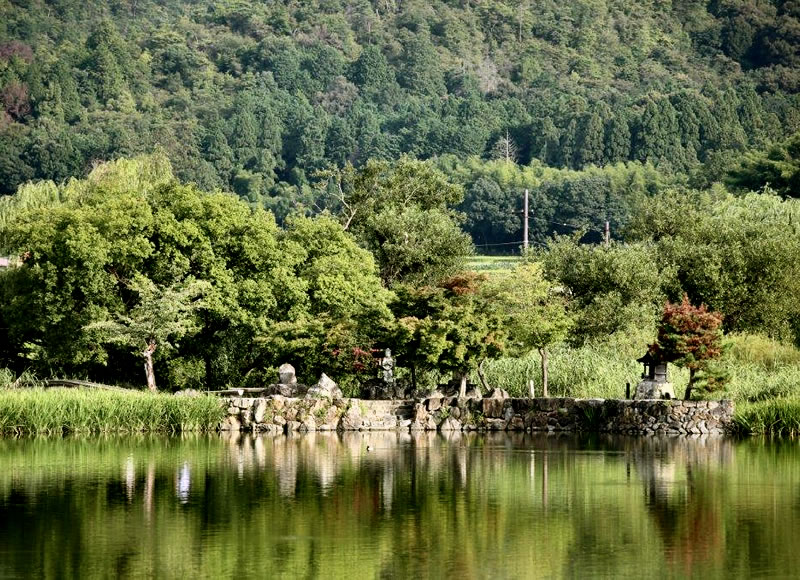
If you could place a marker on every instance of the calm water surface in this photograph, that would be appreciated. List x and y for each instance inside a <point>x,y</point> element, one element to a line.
<point>414,506</point>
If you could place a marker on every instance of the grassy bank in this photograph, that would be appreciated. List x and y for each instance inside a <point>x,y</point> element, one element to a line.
<point>81,410</point>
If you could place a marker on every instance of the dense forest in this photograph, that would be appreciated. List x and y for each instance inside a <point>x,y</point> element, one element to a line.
<point>587,103</point>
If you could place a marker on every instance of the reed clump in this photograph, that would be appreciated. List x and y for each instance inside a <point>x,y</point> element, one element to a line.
<point>775,417</point>
<point>58,410</point>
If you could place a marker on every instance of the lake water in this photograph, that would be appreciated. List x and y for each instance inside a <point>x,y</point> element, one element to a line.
<point>387,505</point>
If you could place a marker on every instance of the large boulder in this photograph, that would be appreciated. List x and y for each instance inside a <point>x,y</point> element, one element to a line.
<point>451,424</point>
<point>260,411</point>
<point>352,420</point>
<point>326,387</point>
<point>289,391</point>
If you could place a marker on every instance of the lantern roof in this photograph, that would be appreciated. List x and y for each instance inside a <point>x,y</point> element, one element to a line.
<point>648,358</point>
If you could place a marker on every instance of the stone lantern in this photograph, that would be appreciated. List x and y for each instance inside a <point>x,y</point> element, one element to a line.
<point>654,384</point>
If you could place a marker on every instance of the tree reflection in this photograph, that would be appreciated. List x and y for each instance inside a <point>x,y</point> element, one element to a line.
<point>680,478</point>
<point>412,505</point>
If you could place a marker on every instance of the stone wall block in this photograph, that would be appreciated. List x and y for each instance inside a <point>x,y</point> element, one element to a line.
<point>496,424</point>
<point>434,404</point>
<point>260,411</point>
<point>493,408</point>
<point>450,424</point>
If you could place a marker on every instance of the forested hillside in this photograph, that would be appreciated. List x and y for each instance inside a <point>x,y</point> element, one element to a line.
<point>257,96</point>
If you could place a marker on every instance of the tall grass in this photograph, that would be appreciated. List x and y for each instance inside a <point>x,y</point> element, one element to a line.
<point>775,417</point>
<point>83,410</point>
<point>762,351</point>
<point>590,371</point>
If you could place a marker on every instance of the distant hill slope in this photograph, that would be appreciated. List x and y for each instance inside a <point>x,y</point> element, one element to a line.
<point>255,96</point>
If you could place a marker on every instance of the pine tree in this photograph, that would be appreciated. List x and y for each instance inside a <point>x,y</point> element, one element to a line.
<point>217,150</point>
<point>547,142</point>
<point>244,137</point>
<point>649,137</point>
<point>106,74</point>
<point>566,157</point>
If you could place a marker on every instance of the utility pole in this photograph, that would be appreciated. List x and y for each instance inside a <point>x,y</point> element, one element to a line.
<point>607,236</point>
<point>525,224</point>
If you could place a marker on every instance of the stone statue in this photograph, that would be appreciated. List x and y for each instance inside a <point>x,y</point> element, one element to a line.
<point>387,364</point>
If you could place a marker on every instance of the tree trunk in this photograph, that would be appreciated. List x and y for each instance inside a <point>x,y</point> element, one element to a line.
<point>414,378</point>
<point>462,390</point>
<point>543,354</point>
<point>482,377</point>
<point>148,366</point>
<point>688,394</point>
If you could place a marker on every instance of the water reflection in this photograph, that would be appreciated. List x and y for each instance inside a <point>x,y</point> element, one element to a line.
<point>678,477</point>
<point>183,482</point>
<point>398,505</point>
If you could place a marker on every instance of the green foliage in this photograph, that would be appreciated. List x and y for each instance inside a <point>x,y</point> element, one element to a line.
<point>589,371</point>
<point>344,313</point>
<point>450,327</point>
<point>760,350</point>
<point>161,317</point>
<point>777,168</point>
<point>738,255</point>
<point>533,312</point>
<point>400,213</point>
<point>612,289</point>
<point>255,97</point>
<point>126,251</point>
<point>779,417</point>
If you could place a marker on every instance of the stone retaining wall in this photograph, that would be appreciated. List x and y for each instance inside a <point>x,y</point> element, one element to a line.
<point>282,414</point>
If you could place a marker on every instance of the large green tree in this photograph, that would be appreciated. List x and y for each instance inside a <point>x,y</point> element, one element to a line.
<point>160,318</point>
<point>449,327</point>
<point>401,213</point>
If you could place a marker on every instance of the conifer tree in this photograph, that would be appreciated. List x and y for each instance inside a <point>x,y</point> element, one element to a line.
<point>589,147</point>
<point>617,139</point>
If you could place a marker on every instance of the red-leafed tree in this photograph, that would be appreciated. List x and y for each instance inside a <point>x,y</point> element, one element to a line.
<point>691,336</point>
<point>16,100</point>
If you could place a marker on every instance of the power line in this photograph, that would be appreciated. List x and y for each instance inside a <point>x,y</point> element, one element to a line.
<point>588,229</point>
<point>510,244</point>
